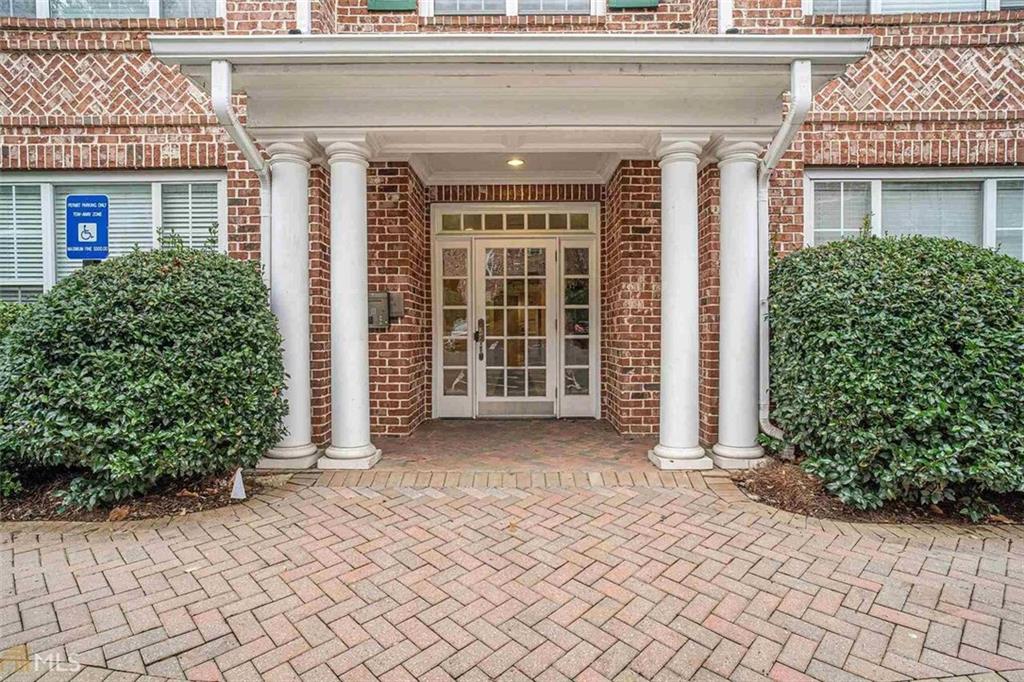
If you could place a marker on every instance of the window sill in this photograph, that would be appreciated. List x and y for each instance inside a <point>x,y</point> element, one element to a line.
<point>151,25</point>
<point>517,21</point>
<point>913,18</point>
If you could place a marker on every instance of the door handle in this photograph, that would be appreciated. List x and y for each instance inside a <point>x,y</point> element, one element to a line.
<point>478,336</point>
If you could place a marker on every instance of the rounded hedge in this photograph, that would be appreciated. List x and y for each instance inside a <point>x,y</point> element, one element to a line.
<point>897,369</point>
<point>151,366</point>
<point>9,313</point>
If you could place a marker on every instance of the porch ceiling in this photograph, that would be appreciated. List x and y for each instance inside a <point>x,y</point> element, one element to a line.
<point>714,84</point>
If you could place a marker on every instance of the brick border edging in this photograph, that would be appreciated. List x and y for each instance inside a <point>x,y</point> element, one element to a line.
<point>720,486</point>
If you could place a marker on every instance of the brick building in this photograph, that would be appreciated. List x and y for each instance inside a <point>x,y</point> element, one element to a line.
<point>570,201</point>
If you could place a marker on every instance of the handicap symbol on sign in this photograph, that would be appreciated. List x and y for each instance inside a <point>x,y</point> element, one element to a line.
<point>87,232</point>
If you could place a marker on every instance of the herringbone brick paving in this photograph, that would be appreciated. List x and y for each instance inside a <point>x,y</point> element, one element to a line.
<point>586,577</point>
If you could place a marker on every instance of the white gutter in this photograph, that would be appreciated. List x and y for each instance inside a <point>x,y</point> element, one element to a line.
<point>220,93</point>
<point>800,103</point>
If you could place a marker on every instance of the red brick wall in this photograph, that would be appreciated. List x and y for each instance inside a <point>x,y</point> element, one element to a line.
<point>631,297</point>
<point>398,253</point>
<point>320,302</point>
<point>708,207</point>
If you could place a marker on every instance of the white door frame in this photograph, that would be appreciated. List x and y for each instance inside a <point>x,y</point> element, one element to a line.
<point>467,406</point>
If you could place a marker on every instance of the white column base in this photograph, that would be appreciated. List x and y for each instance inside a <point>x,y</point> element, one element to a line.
<point>289,457</point>
<point>362,457</point>
<point>729,457</point>
<point>679,459</point>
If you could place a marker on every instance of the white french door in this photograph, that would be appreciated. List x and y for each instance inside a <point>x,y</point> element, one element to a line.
<point>516,329</point>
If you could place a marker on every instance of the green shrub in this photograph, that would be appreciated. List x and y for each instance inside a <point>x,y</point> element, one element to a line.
<point>898,369</point>
<point>144,368</point>
<point>9,313</point>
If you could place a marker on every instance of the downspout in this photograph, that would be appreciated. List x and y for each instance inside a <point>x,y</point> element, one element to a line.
<point>220,93</point>
<point>800,104</point>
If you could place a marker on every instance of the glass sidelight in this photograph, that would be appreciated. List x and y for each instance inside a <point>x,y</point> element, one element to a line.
<point>578,343</point>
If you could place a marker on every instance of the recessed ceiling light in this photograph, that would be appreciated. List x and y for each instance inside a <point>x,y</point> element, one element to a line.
<point>516,162</point>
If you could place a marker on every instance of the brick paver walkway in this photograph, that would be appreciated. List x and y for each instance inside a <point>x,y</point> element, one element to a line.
<point>584,577</point>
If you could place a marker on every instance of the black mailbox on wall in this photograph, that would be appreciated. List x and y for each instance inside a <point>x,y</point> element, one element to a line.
<point>384,307</point>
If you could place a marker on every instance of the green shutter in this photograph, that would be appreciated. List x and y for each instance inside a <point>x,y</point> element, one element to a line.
<point>632,4</point>
<point>391,5</point>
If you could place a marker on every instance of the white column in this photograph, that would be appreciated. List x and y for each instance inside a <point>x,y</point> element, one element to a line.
<point>737,446</point>
<point>679,421</point>
<point>350,350</point>
<point>289,297</point>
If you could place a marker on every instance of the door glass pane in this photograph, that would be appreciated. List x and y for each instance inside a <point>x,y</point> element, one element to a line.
<point>577,261</point>
<point>535,292</point>
<point>454,352</point>
<point>516,295</point>
<point>455,292</point>
<point>577,291</point>
<point>455,323</point>
<point>535,321</point>
<point>537,382</point>
<point>577,322</point>
<point>495,383</point>
<point>516,385</point>
<point>453,262</point>
<point>516,323</point>
<point>536,351</point>
<point>515,262</point>
<point>535,265</point>
<point>455,382</point>
<point>577,352</point>
<point>494,262</point>
<point>495,353</point>
<point>495,323</point>
<point>494,293</point>
<point>516,353</point>
<point>577,381</point>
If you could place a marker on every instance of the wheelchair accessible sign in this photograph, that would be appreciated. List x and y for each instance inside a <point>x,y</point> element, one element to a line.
<point>88,223</point>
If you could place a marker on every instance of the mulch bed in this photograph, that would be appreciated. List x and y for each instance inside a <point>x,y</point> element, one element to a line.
<point>37,503</point>
<point>788,487</point>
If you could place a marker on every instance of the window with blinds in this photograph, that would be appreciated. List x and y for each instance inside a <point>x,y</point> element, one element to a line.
<point>189,211</point>
<point>934,209</point>
<point>109,9</point>
<point>21,243</point>
<point>554,6</point>
<point>907,6</point>
<point>32,257</point>
<point>987,212</point>
<point>1010,217</point>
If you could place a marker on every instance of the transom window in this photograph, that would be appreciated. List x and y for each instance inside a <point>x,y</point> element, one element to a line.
<point>978,207</point>
<point>112,9</point>
<point>33,253</point>
<point>511,7</point>
<point>906,6</point>
<point>517,221</point>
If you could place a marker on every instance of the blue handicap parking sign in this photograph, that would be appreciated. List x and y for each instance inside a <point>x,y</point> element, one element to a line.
<point>88,223</point>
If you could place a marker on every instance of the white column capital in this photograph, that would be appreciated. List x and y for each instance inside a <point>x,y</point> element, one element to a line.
<point>730,151</point>
<point>351,148</point>
<point>289,150</point>
<point>676,148</point>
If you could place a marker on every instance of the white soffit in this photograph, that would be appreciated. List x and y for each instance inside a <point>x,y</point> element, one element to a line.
<point>571,80</point>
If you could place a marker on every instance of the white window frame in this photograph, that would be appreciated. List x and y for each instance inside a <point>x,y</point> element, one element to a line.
<point>43,10</point>
<point>559,238</point>
<point>875,7</point>
<point>156,179</point>
<point>597,8</point>
<point>875,176</point>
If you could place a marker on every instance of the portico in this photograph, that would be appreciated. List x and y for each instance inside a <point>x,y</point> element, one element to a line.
<point>576,109</point>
